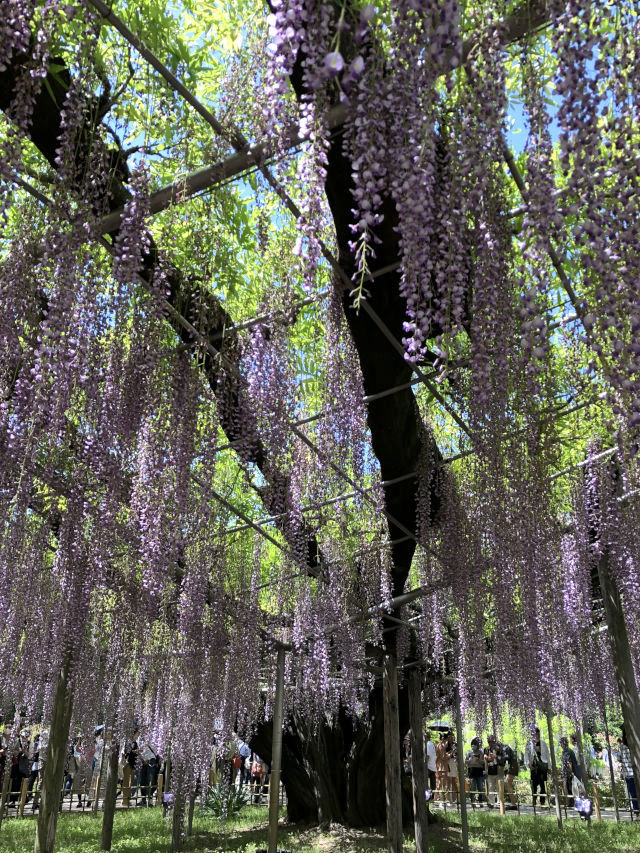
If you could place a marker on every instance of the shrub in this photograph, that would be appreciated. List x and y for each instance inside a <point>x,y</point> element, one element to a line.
<point>223,801</point>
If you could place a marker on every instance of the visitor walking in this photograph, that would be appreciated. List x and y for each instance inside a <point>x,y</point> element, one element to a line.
<point>452,776</point>
<point>442,766</point>
<point>494,755</point>
<point>145,781</point>
<point>131,753</point>
<point>626,771</point>
<point>512,768</point>
<point>244,752</point>
<point>476,770</point>
<point>569,769</point>
<point>430,758</point>
<point>536,760</point>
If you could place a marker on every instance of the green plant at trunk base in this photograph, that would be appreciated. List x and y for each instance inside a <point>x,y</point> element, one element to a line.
<point>224,801</point>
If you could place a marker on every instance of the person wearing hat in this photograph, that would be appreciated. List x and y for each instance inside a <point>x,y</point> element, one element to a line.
<point>476,770</point>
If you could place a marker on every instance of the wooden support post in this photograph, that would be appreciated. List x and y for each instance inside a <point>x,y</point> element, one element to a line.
<point>420,817</point>
<point>393,777</point>
<point>623,665</point>
<point>110,790</point>
<point>177,824</point>
<point>596,801</point>
<point>501,795</point>
<point>554,768</point>
<point>276,753</point>
<point>24,788</point>
<point>6,778</point>
<point>54,764</point>
<point>583,766</point>
<point>95,794</point>
<point>99,775</point>
<point>462,782</point>
<point>160,784</point>
<point>612,778</point>
<point>192,806</point>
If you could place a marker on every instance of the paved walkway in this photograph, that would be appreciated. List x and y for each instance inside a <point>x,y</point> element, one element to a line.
<point>526,809</point>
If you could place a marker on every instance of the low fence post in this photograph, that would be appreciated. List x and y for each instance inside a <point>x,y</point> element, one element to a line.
<point>596,802</point>
<point>23,796</point>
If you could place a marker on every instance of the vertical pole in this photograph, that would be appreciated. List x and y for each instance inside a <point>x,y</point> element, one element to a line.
<point>192,805</point>
<point>420,817</point>
<point>583,766</point>
<point>276,753</point>
<point>501,795</point>
<point>461,778</point>
<point>160,784</point>
<point>554,768</point>
<point>393,777</point>
<point>96,791</point>
<point>54,765</point>
<point>110,790</point>
<point>177,825</point>
<point>612,777</point>
<point>23,796</point>
<point>596,802</point>
<point>6,778</point>
<point>623,665</point>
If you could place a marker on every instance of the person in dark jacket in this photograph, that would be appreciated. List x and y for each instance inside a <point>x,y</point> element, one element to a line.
<point>145,781</point>
<point>570,768</point>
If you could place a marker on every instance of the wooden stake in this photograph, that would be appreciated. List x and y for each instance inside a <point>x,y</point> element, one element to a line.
<point>462,782</point>
<point>192,805</point>
<point>110,791</point>
<point>612,778</point>
<point>167,771</point>
<point>501,795</point>
<point>96,787</point>
<point>177,824</point>
<point>554,769</point>
<point>393,778</point>
<point>6,777</point>
<point>583,767</point>
<point>159,792</point>
<point>276,753</point>
<point>623,665</point>
<point>596,801</point>
<point>23,796</point>
<point>54,764</point>
<point>420,816</point>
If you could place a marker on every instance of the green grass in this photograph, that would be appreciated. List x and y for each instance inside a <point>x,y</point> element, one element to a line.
<point>145,831</point>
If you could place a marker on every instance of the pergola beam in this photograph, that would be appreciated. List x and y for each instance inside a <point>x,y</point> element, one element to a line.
<point>523,20</point>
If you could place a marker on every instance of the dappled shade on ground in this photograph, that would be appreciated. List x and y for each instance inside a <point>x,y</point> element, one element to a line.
<point>145,831</point>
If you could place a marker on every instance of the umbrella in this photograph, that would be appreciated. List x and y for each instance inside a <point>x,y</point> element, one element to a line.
<point>439,726</point>
<point>98,729</point>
